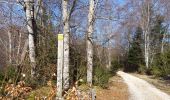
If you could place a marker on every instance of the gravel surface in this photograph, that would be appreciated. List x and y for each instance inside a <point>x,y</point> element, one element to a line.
<point>142,90</point>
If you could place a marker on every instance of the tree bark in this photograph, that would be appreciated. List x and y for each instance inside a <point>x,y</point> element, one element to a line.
<point>66,32</point>
<point>146,49</point>
<point>19,47</point>
<point>31,37</point>
<point>162,44</point>
<point>146,15</point>
<point>90,42</point>
<point>10,35</point>
<point>10,46</point>
<point>24,51</point>
<point>109,55</point>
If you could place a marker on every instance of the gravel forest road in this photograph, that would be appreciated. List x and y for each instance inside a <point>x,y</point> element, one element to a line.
<point>142,90</point>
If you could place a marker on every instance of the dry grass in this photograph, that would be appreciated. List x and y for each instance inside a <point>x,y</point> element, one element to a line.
<point>117,90</point>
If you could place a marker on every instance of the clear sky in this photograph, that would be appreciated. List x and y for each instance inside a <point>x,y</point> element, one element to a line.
<point>99,29</point>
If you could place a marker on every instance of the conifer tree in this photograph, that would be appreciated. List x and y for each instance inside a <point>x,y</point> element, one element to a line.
<point>135,55</point>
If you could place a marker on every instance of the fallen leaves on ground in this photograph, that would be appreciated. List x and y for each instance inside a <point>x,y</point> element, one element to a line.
<point>16,91</point>
<point>76,94</point>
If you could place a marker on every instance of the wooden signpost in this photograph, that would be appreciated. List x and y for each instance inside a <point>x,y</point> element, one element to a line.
<point>60,66</point>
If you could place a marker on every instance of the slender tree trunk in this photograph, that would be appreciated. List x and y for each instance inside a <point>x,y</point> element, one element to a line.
<point>146,49</point>
<point>10,46</point>
<point>10,35</point>
<point>146,29</point>
<point>90,42</point>
<point>24,51</point>
<point>19,47</point>
<point>162,44</point>
<point>147,35</point>
<point>31,37</point>
<point>66,32</point>
<point>109,55</point>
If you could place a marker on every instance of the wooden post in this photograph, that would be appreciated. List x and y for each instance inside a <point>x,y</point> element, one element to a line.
<point>60,66</point>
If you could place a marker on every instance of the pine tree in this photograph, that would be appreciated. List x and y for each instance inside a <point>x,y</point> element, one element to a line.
<point>135,55</point>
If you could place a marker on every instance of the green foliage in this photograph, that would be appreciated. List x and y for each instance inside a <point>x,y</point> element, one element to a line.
<point>115,65</point>
<point>142,69</point>
<point>101,77</point>
<point>46,55</point>
<point>135,55</point>
<point>1,77</point>
<point>11,74</point>
<point>78,67</point>
<point>161,65</point>
<point>33,83</point>
<point>156,35</point>
<point>155,70</point>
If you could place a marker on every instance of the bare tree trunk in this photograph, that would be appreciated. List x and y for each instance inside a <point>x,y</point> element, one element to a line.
<point>10,47</point>
<point>146,49</point>
<point>90,42</point>
<point>19,47</point>
<point>66,33</point>
<point>10,36</point>
<point>24,51</point>
<point>109,54</point>
<point>147,35</point>
<point>30,17</point>
<point>162,44</point>
<point>146,29</point>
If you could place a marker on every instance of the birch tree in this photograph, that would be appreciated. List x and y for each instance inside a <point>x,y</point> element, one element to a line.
<point>10,35</point>
<point>109,54</point>
<point>66,32</point>
<point>89,42</point>
<point>10,47</point>
<point>146,16</point>
<point>29,4</point>
<point>163,43</point>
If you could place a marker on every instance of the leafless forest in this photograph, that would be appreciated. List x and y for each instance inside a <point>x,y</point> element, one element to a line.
<point>72,49</point>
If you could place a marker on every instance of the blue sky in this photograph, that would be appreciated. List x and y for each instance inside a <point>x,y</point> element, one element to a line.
<point>18,12</point>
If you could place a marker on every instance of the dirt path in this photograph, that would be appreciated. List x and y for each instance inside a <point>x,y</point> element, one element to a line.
<point>142,90</point>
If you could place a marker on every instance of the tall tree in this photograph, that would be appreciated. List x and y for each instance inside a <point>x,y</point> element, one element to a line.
<point>135,55</point>
<point>157,37</point>
<point>89,42</point>
<point>10,35</point>
<point>157,33</point>
<point>66,32</point>
<point>29,5</point>
<point>146,21</point>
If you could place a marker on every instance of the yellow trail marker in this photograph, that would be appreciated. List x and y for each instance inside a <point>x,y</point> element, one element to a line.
<point>60,37</point>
